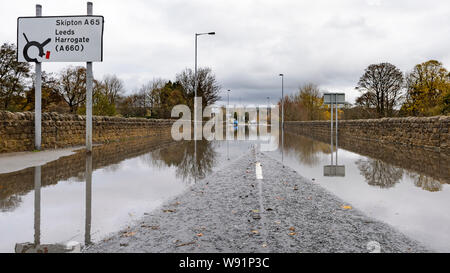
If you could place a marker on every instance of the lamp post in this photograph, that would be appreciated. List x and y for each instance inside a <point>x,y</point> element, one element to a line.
<point>195,81</point>
<point>195,102</point>
<point>282,118</point>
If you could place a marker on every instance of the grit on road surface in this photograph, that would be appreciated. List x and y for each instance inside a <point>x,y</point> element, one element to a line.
<point>232,211</point>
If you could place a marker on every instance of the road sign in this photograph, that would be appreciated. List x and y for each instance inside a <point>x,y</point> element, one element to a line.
<point>60,39</point>
<point>335,98</point>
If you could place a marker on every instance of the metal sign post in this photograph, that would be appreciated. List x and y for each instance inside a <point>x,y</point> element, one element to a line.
<point>61,39</point>
<point>334,99</point>
<point>37,96</point>
<point>89,83</point>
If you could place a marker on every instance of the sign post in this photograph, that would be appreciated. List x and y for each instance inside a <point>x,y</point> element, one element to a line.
<point>89,83</point>
<point>61,39</point>
<point>37,96</point>
<point>335,99</point>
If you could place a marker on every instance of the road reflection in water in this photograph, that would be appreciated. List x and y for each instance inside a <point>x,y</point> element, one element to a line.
<point>405,187</point>
<point>83,198</point>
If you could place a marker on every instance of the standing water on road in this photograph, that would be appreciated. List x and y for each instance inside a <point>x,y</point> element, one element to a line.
<point>130,179</point>
<point>404,187</point>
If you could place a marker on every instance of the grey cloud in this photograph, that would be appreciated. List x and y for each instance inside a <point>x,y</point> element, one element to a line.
<point>325,42</point>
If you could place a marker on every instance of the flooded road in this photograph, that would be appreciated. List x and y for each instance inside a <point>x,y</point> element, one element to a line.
<point>130,179</point>
<point>406,188</point>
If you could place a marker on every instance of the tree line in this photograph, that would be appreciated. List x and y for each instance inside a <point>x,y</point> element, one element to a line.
<point>385,91</point>
<point>65,92</point>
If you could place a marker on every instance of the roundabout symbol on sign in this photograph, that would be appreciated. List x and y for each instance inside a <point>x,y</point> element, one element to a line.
<point>40,47</point>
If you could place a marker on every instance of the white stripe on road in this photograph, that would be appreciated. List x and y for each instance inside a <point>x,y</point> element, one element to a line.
<point>258,171</point>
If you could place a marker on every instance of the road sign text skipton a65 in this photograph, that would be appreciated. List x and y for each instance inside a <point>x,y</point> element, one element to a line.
<point>60,39</point>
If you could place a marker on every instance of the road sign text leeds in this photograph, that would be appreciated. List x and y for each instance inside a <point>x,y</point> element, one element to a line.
<point>60,39</point>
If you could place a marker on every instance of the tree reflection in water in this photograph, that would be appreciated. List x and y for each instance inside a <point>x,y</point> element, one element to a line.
<point>378,173</point>
<point>304,149</point>
<point>425,182</point>
<point>10,203</point>
<point>181,156</point>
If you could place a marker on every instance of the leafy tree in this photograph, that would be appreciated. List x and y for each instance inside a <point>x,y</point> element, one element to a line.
<point>52,100</point>
<point>165,98</point>
<point>13,76</point>
<point>134,105</point>
<point>73,86</point>
<point>101,105</point>
<point>428,90</point>
<point>306,104</point>
<point>381,86</point>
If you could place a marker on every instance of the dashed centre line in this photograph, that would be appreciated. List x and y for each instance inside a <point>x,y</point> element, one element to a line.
<point>258,171</point>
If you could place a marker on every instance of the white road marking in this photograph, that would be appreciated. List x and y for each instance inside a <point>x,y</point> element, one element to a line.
<point>258,171</point>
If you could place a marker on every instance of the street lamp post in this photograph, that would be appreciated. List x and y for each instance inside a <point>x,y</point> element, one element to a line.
<point>195,81</point>
<point>195,102</point>
<point>282,118</point>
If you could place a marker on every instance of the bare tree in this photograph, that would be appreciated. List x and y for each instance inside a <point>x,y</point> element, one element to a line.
<point>384,83</point>
<point>207,85</point>
<point>113,88</point>
<point>73,86</point>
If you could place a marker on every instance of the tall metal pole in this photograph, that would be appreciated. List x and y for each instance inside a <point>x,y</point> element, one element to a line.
<point>195,112</point>
<point>37,97</point>
<point>282,118</point>
<point>195,90</point>
<point>89,84</point>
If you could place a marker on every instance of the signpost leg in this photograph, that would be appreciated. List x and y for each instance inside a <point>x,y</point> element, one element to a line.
<point>89,84</point>
<point>337,133</point>
<point>331,111</point>
<point>37,96</point>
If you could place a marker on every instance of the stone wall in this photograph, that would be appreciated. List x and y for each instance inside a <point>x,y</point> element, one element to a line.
<point>425,132</point>
<point>17,130</point>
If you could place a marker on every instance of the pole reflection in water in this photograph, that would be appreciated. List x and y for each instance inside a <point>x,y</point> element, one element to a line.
<point>334,169</point>
<point>36,246</point>
<point>87,232</point>
<point>282,144</point>
<point>37,205</point>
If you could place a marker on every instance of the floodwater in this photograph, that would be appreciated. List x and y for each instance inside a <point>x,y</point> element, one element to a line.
<point>84,198</point>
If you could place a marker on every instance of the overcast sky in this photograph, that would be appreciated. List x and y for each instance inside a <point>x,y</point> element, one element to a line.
<point>322,41</point>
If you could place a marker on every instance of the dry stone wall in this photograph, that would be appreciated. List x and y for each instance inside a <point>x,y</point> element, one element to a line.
<point>425,132</point>
<point>17,130</point>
